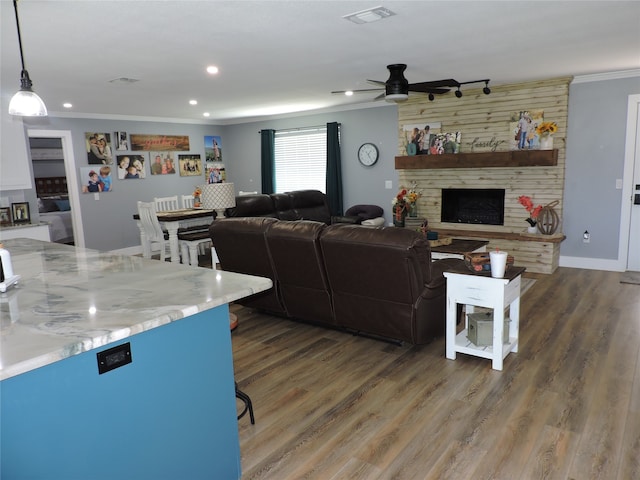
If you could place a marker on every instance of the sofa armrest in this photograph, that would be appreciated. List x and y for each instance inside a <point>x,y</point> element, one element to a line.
<point>438,267</point>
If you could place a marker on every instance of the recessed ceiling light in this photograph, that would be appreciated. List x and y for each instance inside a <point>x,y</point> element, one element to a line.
<point>212,69</point>
<point>348,93</point>
<point>206,114</point>
<point>67,105</point>
<point>369,15</point>
<point>193,102</point>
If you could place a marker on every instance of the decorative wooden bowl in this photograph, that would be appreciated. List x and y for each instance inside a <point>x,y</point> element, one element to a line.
<point>479,261</point>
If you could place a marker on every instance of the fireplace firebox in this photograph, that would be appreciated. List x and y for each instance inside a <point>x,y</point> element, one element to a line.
<point>473,205</point>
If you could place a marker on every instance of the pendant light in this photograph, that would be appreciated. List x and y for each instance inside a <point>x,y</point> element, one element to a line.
<point>26,102</point>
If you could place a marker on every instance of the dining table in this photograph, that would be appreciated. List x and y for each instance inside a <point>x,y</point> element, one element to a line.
<point>171,221</point>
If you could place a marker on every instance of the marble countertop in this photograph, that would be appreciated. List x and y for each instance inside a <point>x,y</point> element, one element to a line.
<point>71,300</point>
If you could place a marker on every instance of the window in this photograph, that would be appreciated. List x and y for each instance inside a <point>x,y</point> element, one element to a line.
<point>301,159</point>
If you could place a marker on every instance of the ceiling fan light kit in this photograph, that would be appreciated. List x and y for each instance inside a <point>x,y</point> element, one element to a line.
<point>25,102</point>
<point>397,87</point>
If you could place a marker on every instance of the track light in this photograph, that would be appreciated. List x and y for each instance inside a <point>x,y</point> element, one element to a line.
<point>26,102</point>
<point>458,93</point>
<point>486,90</point>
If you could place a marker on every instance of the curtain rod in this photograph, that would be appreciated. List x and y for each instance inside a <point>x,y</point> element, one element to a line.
<point>301,128</point>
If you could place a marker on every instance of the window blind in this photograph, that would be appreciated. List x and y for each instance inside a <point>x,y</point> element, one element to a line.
<point>301,159</point>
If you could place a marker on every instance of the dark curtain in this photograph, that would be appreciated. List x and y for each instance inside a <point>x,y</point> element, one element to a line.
<point>334,169</point>
<point>267,159</point>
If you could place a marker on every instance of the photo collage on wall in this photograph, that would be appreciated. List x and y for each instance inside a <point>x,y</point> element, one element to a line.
<point>164,154</point>
<point>215,171</point>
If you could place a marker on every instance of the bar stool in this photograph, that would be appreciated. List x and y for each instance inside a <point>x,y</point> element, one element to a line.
<point>248,406</point>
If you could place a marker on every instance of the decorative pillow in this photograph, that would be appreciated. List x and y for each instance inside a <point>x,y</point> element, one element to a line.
<point>63,205</point>
<point>365,212</point>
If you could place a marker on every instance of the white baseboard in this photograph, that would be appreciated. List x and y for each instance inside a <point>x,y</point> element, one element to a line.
<point>591,263</point>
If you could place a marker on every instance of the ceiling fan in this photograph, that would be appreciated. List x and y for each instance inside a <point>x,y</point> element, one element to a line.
<point>397,87</point>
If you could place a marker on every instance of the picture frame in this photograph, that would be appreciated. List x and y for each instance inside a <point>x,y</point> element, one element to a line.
<point>125,162</point>
<point>162,163</point>
<point>5,215</point>
<point>98,146</point>
<point>418,137</point>
<point>190,165</point>
<point>20,212</point>
<point>212,148</point>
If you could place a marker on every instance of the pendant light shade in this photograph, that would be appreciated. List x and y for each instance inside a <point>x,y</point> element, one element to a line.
<point>26,102</point>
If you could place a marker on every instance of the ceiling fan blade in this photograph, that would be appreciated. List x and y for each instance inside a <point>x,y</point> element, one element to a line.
<point>381,96</point>
<point>377,82</point>
<point>436,91</point>
<point>450,82</point>
<point>365,90</point>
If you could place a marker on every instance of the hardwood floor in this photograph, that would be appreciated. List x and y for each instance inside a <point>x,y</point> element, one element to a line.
<point>329,405</point>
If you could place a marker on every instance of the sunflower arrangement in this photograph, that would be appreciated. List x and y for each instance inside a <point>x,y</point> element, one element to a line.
<point>547,128</point>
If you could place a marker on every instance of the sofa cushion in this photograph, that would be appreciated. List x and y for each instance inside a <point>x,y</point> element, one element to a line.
<point>283,206</point>
<point>377,278</point>
<point>259,205</point>
<point>311,205</point>
<point>241,247</point>
<point>297,259</point>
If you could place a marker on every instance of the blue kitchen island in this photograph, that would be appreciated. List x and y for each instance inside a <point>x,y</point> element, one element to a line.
<point>115,366</point>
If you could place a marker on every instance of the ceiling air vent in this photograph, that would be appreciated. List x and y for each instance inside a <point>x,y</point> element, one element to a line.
<point>369,15</point>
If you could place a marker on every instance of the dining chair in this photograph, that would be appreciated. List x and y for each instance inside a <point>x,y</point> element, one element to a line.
<point>152,231</point>
<point>187,201</point>
<point>164,204</point>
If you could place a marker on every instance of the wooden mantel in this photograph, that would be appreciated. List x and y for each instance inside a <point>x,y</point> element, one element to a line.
<point>514,158</point>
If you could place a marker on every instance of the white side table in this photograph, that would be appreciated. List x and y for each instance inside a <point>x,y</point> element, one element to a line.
<point>481,290</point>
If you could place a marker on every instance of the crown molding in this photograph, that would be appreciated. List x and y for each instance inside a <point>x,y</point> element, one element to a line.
<point>599,77</point>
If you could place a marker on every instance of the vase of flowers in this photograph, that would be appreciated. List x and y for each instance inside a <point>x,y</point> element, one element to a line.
<point>197,194</point>
<point>400,207</point>
<point>546,130</point>
<point>412,199</point>
<point>534,212</point>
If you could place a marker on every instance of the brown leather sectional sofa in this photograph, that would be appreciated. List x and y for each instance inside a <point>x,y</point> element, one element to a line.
<point>296,205</point>
<point>378,281</point>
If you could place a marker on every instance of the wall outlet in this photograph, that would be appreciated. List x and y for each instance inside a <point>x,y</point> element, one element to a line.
<point>586,237</point>
<point>388,184</point>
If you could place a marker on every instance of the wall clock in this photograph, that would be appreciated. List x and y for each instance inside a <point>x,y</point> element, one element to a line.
<point>368,154</point>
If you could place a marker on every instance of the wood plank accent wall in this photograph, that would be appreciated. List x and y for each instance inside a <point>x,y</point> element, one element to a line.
<point>484,121</point>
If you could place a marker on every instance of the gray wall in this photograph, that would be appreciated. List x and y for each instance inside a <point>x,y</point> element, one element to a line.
<point>595,158</point>
<point>361,185</point>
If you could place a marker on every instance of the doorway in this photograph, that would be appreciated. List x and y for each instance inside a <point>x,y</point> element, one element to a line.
<point>629,249</point>
<point>72,179</point>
